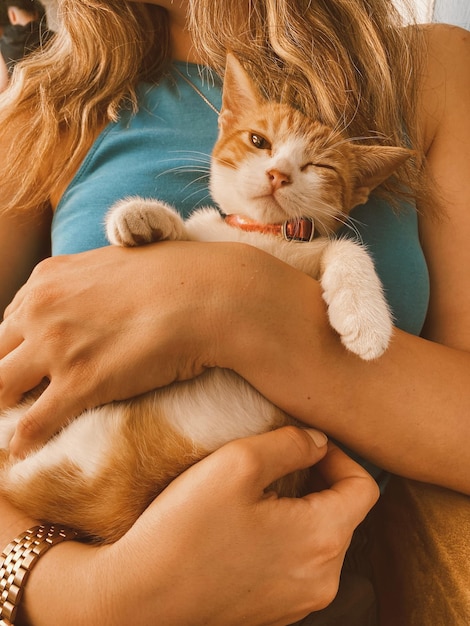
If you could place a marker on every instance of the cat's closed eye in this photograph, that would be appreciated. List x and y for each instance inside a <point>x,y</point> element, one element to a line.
<point>321,165</point>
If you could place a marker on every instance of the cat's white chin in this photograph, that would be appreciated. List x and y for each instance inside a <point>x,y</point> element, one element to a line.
<point>269,210</point>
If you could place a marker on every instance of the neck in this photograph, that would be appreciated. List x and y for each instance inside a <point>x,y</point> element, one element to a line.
<point>182,44</point>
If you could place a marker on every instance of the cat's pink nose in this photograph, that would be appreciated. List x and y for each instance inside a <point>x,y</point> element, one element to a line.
<point>278,179</point>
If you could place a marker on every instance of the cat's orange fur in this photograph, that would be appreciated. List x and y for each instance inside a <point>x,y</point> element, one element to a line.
<point>102,470</point>
<point>141,462</point>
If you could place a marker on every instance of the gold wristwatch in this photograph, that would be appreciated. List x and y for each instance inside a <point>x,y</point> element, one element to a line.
<point>19,558</point>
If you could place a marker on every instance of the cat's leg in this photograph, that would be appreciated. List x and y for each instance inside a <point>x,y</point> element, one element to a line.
<point>136,221</point>
<point>357,307</point>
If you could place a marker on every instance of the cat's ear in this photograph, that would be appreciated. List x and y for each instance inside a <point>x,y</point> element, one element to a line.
<point>374,165</point>
<point>239,93</point>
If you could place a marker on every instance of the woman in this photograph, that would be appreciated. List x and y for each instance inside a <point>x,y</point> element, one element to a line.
<point>385,83</point>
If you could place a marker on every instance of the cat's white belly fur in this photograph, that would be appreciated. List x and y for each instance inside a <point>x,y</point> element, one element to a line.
<point>85,443</point>
<point>201,410</point>
<point>215,408</point>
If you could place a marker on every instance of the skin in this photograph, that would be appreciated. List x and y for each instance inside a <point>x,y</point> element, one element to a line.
<point>409,421</point>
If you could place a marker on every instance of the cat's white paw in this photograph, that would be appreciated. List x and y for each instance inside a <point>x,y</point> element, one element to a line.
<point>137,221</point>
<point>366,334</point>
<point>357,308</point>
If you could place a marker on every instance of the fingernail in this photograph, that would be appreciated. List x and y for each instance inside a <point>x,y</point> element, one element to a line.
<point>319,438</point>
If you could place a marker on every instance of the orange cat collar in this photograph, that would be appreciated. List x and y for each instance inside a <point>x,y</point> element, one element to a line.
<point>17,561</point>
<point>302,229</point>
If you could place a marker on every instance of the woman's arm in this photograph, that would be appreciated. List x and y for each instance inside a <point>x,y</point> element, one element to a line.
<point>214,548</point>
<point>24,236</point>
<point>445,103</point>
<point>24,242</point>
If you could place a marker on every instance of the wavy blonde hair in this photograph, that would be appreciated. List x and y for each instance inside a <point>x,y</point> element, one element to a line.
<point>350,63</point>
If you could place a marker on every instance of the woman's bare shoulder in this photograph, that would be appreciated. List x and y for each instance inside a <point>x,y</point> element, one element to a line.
<point>445,79</point>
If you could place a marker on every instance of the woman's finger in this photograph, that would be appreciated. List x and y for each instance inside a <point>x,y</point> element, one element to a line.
<point>356,490</point>
<point>10,337</point>
<point>44,418</point>
<point>265,458</point>
<point>15,379</point>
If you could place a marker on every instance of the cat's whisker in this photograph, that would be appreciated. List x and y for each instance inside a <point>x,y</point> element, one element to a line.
<point>199,163</point>
<point>321,207</point>
<point>197,191</point>
<point>220,161</point>
<point>335,131</point>
<point>203,156</point>
<point>203,200</point>
<point>351,224</point>
<point>182,169</point>
<point>347,123</point>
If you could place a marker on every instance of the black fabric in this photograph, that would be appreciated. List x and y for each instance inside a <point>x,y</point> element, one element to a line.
<point>18,41</point>
<point>355,605</point>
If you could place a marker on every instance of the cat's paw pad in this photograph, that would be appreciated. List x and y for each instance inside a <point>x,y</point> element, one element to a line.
<point>136,221</point>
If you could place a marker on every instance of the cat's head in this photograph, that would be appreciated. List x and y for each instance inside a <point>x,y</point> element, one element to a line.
<point>272,163</point>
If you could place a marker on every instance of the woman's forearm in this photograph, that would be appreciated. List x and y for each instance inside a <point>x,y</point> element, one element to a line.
<point>406,411</point>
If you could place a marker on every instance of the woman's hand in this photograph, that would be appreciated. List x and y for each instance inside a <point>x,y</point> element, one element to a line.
<point>113,323</point>
<point>98,326</point>
<point>110,324</point>
<point>215,548</point>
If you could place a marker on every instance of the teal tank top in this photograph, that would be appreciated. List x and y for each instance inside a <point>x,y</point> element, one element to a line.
<point>163,151</point>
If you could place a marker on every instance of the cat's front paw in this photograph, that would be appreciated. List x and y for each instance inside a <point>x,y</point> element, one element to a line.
<point>137,221</point>
<point>366,334</point>
<point>357,308</point>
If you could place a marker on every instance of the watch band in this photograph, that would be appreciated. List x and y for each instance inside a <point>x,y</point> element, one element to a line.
<point>19,558</point>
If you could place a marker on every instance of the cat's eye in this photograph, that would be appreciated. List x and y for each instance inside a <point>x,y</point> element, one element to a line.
<point>259,142</point>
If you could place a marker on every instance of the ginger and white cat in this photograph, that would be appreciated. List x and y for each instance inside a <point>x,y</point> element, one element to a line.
<point>294,181</point>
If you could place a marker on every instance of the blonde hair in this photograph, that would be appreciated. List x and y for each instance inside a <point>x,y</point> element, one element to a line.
<point>82,78</point>
<point>350,63</point>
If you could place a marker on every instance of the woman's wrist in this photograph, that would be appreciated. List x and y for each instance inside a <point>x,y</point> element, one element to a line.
<point>65,587</point>
<point>18,560</point>
<point>61,578</point>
